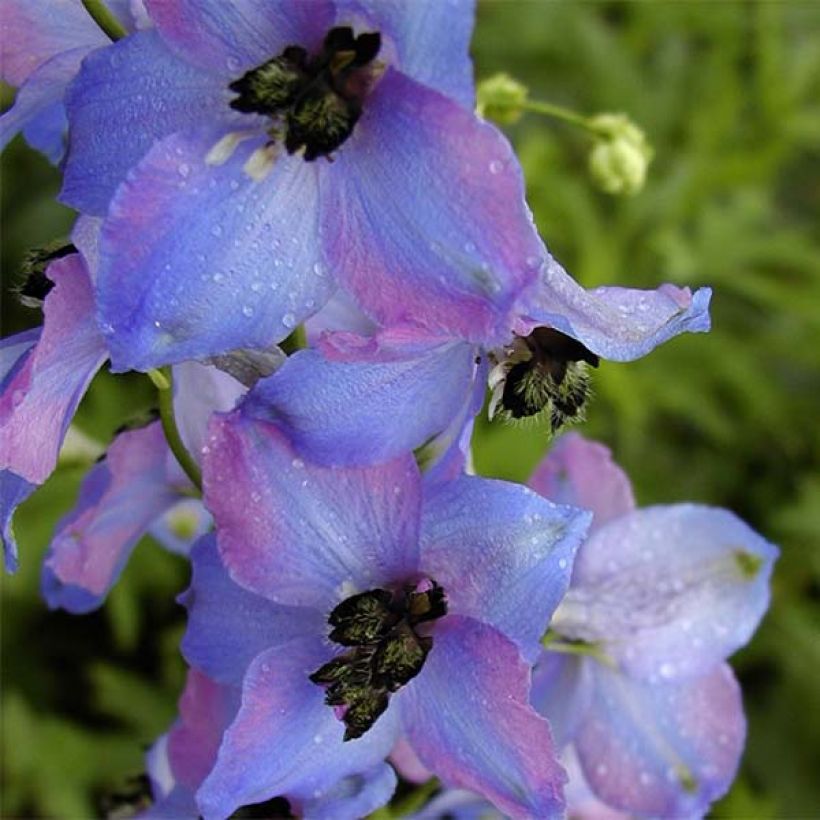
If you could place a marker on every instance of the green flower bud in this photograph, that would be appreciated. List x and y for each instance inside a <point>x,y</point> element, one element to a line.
<point>501,98</point>
<point>621,155</point>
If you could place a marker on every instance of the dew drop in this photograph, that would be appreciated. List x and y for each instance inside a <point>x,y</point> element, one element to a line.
<point>562,563</point>
<point>247,310</point>
<point>317,739</point>
<point>319,269</point>
<point>289,320</point>
<point>666,670</point>
<point>218,277</point>
<point>256,287</point>
<point>496,167</point>
<point>156,323</point>
<point>232,63</point>
<point>216,230</point>
<point>184,169</point>
<point>298,463</point>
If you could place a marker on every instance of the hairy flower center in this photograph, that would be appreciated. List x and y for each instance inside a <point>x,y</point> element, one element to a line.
<point>386,652</point>
<point>315,101</point>
<point>543,372</point>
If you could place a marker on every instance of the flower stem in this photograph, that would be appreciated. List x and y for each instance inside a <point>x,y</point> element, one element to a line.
<point>163,381</point>
<point>560,113</point>
<point>409,804</point>
<point>103,17</point>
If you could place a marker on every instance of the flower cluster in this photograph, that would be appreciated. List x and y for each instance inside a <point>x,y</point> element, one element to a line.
<point>362,606</point>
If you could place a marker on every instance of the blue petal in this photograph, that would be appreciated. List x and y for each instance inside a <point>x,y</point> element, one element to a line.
<point>198,259</point>
<point>13,492</point>
<point>561,692</point>
<point>502,553</point>
<point>387,396</point>
<point>126,97</point>
<point>356,795</point>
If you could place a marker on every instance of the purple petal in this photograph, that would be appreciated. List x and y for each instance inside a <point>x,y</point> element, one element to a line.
<point>232,37</point>
<point>371,399</point>
<point>427,40</point>
<point>33,31</point>
<point>356,795</point>
<point>502,553</point>
<point>14,350</point>
<point>285,739</point>
<point>429,223</point>
<point>662,750</point>
<point>125,98</point>
<point>39,402</point>
<point>306,535</point>
<point>229,626</point>
<point>582,804</point>
<point>339,313</point>
<point>669,591</point>
<point>620,324</point>
<point>458,804</point>
<point>581,473</point>
<point>561,692</point>
<point>228,263</point>
<point>119,499</point>
<point>13,492</point>
<point>407,763</point>
<point>468,718</point>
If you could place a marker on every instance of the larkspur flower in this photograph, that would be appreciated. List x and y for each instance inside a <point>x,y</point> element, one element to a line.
<point>436,597</point>
<point>206,144</point>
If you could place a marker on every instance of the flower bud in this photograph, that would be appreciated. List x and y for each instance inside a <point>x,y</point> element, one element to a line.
<point>621,155</point>
<point>501,99</point>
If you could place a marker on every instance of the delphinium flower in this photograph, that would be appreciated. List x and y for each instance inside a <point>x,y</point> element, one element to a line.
<point>249,157</point>
<point>358,604</point>
<point>42,44</point>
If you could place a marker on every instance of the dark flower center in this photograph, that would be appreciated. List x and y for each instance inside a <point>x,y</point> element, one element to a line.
<point>35,285</point>
<point>315,101</point>
<point>545,372</point>
<point>386,651</point>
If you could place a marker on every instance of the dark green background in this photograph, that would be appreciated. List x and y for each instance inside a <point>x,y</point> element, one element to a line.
<point>729,95</point>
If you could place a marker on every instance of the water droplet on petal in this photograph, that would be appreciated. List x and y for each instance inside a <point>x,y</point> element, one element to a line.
<point>216,230</point>
<point>247,310</point>
<point>289,320</point>
<point>218,277</point>
<point>298,463</point>
<point>666,670</point>
<point>184,169</point>
<point>496,167</point>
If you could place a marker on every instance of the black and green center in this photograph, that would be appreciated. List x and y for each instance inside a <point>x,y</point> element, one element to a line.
<point>386,650</point>
<point>315,101</point>
<point>547,373</point>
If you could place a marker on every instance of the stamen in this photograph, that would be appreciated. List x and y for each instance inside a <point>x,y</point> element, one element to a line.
<point>260,162</point>
<point>224,148</point>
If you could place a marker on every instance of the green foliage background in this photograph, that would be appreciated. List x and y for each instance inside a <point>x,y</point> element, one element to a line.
<point>729,95</point>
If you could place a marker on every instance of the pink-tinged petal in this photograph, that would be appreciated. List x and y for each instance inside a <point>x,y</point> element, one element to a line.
<point>427,222</point>
<point>468,718</point>
<point>13,492</point>
<point>620,324</point>
<point>229,626</point>
<point>582,473</point>
<point>356,795</point>
<point>669,591</point>
<point>285,738</point>
<point>119,499</point>
<point>14,350</point>
<point>39,402</point>
<point>407,763</point>
<point>427,40</point>
<point>34,31</point>
<point>363,400</point>
<point>124,99</point>
<point>582,804</point>
<point>198,260</point>
<point>662,750</point>
<point>306,535</point>
<point>502,553</point>
<point>233,37</point>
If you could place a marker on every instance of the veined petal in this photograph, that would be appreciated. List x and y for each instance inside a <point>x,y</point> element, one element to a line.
<point>582,473</point>
<point>669,591</point>
<point>426,219</point>
<point>119,499</point>
<point>664,750</point>
<point>386,397</point>
<point>126,97</point>
<point>306,535</point>
<point>198,260</point>
<point>231,38</point>
<point>430,38</point>
<point>620,324</point>
<point>39,401</point>
<point>468,719</point>
<point>13,492</point>
<point>285,738</point>
<point>502,553</point>
<point>229,626</point>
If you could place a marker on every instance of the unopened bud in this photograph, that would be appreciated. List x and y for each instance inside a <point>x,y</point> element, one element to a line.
<point>621,155</point>
<point>501,99</point>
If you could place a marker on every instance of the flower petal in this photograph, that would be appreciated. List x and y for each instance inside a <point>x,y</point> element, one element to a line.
<point>285,738</point>
<point>620,324</point>
<point>126,97</point>
<point>662,750</point>
<point>581,473</point>
<point>229,626</point>
<point>502,553</point>
<point>429,223</point>
<point>356,795</point>
<point>387,395</point>
<point>227,260</point>
<point>301,534</point>
<point>669,591</point>
<point>119,499</point>
<point>13,492</point>
<point>39,401</point>
<point>468,718</point>
<point>233,37</point>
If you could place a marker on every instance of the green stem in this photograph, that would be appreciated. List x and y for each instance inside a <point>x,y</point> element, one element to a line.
<point>165,391</point>
<point>296,341</point>
<point>560,113</point>
<point>103,17</point>
<point>409,804</point>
